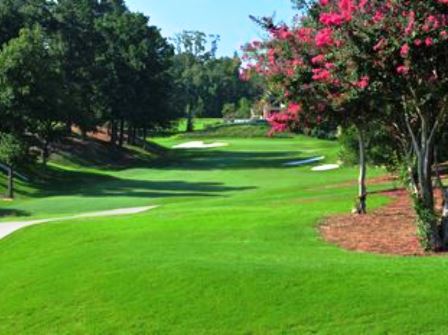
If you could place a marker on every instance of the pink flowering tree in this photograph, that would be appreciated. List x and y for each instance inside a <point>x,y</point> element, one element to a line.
<point>347,59</point>
<point>405,45</point>
<point>310,70</point>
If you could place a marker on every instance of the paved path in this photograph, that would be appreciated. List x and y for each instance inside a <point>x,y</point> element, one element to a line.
<point>7,228</point>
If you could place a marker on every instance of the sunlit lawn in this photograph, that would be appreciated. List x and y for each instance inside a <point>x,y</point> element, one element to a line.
<point>232,249</point>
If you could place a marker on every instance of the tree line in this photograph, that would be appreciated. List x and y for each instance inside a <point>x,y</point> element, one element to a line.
<point>95,63</point>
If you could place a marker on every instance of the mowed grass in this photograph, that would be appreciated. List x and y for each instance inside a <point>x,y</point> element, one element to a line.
<point>232,249</point>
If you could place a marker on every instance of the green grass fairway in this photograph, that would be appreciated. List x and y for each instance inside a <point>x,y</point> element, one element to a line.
<point>232,249</point>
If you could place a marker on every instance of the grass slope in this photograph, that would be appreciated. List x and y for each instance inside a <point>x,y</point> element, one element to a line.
<point>233,249</point>
<point>199,123</point>
<point>255,129</point>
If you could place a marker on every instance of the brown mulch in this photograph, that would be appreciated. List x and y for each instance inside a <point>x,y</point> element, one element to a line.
<point>388,230</point>
<point>101,134</point>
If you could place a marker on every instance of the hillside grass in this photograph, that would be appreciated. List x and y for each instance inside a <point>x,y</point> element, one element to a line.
<point>232,249</point>
<point>199,123</point>
<point>250,130</point>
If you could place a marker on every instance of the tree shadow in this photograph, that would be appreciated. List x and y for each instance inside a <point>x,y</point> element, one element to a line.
<point>5,212</point>
<point>99,154</point>
<point>232,160</point>
<point>96,185</point>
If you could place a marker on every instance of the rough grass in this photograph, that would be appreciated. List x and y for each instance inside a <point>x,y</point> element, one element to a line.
<point>233,249</point>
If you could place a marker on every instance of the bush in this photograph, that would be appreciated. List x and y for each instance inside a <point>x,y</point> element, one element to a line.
<point>244,108</point>
<point>229,111</point>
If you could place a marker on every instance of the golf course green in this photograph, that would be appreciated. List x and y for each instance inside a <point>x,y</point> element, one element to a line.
<point>232,248</point>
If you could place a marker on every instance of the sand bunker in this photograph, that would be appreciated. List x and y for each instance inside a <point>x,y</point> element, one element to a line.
<point>7,228</point>
<point>200,145</point>
<point>326,167</point>
<point>305,161</point>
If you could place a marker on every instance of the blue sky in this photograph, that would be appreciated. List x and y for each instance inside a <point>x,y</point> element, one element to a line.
<point>228,18</point>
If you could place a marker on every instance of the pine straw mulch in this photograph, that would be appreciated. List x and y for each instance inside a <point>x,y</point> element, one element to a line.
<point>389,230</point>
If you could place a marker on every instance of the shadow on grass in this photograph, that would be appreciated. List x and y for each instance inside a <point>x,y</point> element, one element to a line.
<point>53,181</point>
<point>4,212</point>
<point>63,183</point>
<point>231,160</point>
<point>74,151</point>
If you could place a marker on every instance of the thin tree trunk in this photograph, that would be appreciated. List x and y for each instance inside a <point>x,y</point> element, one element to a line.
<point>444,221</point>
<point>424,202</point>
<point>132,132</point>
<point>130,138</point>
<point>10,189</point>
<point>121,138</point>
<point>83,133</point>
<point>190,125</point>
<point>68,128</point>
<point>113,132</point>
<point>45,152</point>
<point>444,190</point>
<point>361,206</point>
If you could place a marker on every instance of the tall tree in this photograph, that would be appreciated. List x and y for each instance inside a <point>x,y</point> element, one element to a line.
<point>134,60</point>
<point>12,151</point>
<point>78,39</point>
<point>30,82</point>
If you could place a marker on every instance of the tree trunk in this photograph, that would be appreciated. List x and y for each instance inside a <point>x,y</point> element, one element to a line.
<point>427,220</point>
<point>361,206</point>
<point>45,152</point>
<point>130,138</point>
<point>10,189</point>
<point>121,138</point>
<point>113,132</point>
<point>83,133</point>
<point>190,125</point>
<point>68,128</point>
<point>134,135</point>
<point>444,191</point>
<point>444,221</point>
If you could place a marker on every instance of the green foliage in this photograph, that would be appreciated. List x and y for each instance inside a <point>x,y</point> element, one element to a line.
<point>199,76</point>
<point>426,219</point>
<point>12,149</point>
<point>30,83</point>
<point>244,108</point>
<point>381,149</point>
<point>82,63</point>
<point>229,111</point>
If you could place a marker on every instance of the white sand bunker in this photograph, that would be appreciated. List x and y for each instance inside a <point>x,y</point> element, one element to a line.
<point>305,161</point>
<point>200,145</point>
<point>326,167</point>
<point>7,228</point>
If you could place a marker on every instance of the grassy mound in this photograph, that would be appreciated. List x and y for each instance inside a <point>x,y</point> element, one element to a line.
<point>74,152</point>
<point>75,163</point>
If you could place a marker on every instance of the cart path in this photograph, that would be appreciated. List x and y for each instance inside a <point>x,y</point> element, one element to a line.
<point>7,228</point>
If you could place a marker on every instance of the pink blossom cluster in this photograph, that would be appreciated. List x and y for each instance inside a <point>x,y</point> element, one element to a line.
<point>313,67</point>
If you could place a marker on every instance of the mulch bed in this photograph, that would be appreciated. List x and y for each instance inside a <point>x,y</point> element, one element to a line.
<point>388,230</point>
